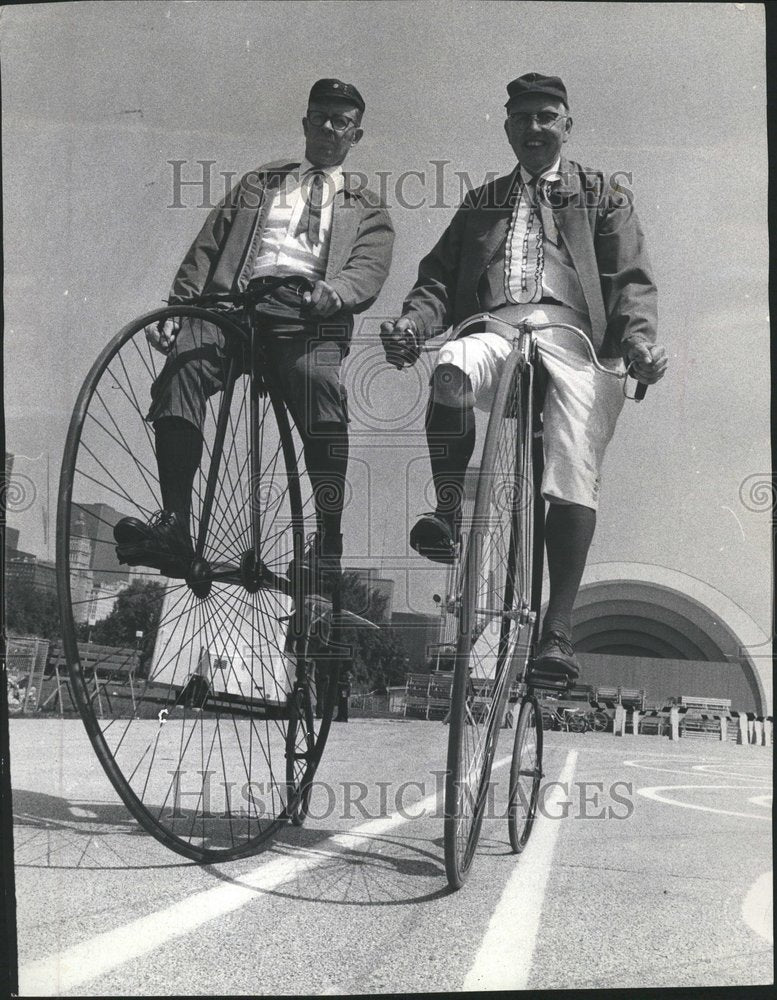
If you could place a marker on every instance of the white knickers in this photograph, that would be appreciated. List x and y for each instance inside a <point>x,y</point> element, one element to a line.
<point>581,404</point>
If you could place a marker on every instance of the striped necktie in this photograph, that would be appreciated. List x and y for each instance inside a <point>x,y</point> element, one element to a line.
<point>310,220</point>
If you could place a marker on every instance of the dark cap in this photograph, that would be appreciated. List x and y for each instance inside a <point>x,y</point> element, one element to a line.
<point>536,83</point>
<point>323,89</point>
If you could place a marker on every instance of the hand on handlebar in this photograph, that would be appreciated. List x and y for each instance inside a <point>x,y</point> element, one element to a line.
<point>162,336</point>
<point>322,300</point>
<point>647,363</point>
<point>400,342</point>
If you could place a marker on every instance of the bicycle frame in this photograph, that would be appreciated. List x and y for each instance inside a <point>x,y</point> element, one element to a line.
<point>527,344</point>
<point>523,336</point>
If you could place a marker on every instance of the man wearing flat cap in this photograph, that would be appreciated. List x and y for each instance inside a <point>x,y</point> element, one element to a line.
<point>286,218</point>
<point>551,241</point>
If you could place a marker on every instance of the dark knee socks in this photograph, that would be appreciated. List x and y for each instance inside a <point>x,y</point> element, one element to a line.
<point>450,434</point>
<point>569,529</point>
<point>178,455</point>
<point>326,458</point>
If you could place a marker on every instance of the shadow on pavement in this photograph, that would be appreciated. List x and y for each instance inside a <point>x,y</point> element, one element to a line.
<point>51,832</point>
<point>383,872</point>
<point>55,832</point>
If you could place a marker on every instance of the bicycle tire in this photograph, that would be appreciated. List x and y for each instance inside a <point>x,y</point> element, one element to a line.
<point>213,703</point>
<point>496,570</point>
<point>304,744</point>
<point>525,774</point>
<point>576,722</point>
<point>599,721</point>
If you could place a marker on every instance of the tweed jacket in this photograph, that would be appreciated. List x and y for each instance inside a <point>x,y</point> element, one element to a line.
<point>601,231</point>
<point>221,258</point>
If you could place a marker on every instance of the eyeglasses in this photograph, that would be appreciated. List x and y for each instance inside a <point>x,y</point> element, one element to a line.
<point>339,122</point>
<point>545,119</point>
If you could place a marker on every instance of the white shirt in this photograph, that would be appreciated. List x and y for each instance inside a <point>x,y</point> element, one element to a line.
<point>537,264</point>
<point>281,252</point>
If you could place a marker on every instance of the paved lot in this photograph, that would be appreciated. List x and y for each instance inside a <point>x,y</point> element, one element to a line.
<point>650,866</point>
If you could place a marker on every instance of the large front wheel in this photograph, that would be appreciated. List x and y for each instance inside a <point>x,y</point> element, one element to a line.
<point>493,601</point>
<point>192,687</point>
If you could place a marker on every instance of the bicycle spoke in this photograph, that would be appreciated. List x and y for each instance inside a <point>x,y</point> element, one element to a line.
<point>209,738</point>
<point>491,586</point>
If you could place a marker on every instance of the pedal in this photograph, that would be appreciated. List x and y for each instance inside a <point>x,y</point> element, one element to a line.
<point>550,681</point>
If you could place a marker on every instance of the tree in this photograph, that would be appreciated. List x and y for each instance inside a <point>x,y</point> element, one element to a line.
<point>137,609</point>
<point>357,597</point>
<point>31,610</point>
<point>377,658</point>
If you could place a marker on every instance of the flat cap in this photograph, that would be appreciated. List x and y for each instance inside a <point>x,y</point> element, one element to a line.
<point>536,83</point>
<point>323,89</point>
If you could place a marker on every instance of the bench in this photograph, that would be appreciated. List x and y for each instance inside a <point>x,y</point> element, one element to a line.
<point>705,718</point>
<point>439,696</point>
<point>416,693</point>
<point>633,698</point>
<point>102,665</point>
<point>482,697</point>
<point>654,721</point>
<point>722,705</point>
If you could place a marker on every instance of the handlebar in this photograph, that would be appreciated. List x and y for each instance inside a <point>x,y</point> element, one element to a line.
<point>256,290</point>
<point>529,328</point>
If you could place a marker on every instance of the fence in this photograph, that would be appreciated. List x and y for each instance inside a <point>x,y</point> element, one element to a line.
<point>25,663</point>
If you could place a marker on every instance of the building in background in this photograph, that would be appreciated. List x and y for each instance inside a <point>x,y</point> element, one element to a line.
<point>11,542</point>
<point>81,576</point>
<point>98,520</point>
<point>419,637</point>
<point>647,626</point>
<point>28,568</point>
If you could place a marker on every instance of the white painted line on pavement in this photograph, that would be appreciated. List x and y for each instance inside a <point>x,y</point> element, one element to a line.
<point>758,907</point>
<point>694,770</point>
<point>655,794</point>
<point>71,968</point>
<point>505,956</point>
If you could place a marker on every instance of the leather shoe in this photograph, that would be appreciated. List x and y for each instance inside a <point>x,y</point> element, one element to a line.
<point>435,536</point>
<point>162,543</point>
<point>556,656</point>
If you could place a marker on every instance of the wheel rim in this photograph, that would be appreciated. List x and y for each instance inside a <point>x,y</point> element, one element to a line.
<point>195,741</point>
<point>496,578</point>
<point>525,775</point>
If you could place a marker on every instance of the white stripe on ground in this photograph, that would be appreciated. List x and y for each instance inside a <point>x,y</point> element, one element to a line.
<point>758,907</point>
<point>505,956</point>
<point>655,791</point>
<point>84,962</point>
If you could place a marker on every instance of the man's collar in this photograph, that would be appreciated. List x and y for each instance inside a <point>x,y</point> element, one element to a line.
<point>553,173</point>
<point>334,173</point>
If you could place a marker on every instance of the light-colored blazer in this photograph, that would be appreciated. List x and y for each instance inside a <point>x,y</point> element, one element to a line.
<point>221,258</point>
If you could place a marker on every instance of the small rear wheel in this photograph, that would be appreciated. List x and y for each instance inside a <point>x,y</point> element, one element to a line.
<point>525,774</point>
<point>316,688</point>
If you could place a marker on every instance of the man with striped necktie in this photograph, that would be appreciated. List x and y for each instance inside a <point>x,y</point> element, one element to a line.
<point>551,241</point>
<point>306,218</point>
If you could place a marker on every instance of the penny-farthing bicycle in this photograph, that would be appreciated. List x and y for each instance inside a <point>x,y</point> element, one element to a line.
<point>212,741</point>
<point>492,610</point>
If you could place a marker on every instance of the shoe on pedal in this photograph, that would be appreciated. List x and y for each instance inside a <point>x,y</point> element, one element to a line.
<point>435,536</point>
<point>162,543</point>
<point>555,658</point>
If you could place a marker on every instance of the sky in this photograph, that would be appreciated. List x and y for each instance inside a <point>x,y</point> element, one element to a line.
<point>97,99</point>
